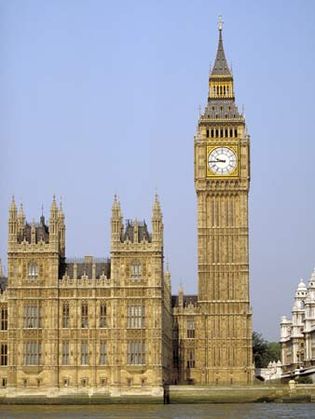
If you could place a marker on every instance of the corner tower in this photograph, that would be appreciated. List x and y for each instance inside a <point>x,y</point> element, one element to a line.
<point>222,175</point>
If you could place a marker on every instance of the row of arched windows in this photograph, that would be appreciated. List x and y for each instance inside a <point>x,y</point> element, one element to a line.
<point>221,132</point>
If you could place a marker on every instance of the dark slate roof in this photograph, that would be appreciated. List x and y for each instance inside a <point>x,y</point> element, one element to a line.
<point>143,232</point>
<point>3,283</point>
<point>188,299</point>
<point>220,67</point>
<point>41,232</point>
<point>84,267</point>
<point>221,109</point>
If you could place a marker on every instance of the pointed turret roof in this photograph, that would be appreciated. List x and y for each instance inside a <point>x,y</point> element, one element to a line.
<point>220,67</point>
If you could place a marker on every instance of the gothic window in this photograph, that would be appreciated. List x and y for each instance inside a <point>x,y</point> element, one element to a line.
<point>135,316</point>
<point>32,270</point>
<point>32,316</point>
<point>212,133</point>
<point>235,132</point>
<point>84,316</point>
<point>226,133</point>
<point>84,352</point>
<point>103,312</point>
<point>231,132</point>
<point>136,352</point>
<point>135,270</point>
<point>3,354</point>
<point>191,362</point>
<point>103,352</point>
<point>65,352</point>
<point>3,318</point>
<point>32,352</point>
<point>190,327</point>
<point>207,133</point>
<point>65,315</point>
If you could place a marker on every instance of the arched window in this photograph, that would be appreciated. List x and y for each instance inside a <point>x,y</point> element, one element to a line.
<point>32,270</point>
<point>135,270</point>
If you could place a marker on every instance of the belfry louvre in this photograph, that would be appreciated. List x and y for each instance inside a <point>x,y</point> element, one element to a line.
<point>112,325</point>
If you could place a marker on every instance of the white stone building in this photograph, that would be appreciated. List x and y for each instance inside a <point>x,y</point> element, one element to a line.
<point>298,333</point>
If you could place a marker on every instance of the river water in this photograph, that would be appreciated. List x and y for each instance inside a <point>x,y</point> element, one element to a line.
<point>175,411</point>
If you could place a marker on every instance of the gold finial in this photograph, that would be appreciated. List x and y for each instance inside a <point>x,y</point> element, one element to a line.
<point>220,23</point>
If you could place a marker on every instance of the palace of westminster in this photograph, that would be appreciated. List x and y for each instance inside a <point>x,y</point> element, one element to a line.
<point>112,325</point>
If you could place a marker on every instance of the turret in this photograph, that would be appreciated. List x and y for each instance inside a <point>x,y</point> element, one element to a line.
<point>181,297</point>
<point>33,233</point>
<point>13,222</point>
<point>167,276</point>
<point>298,309</point>
<point>310,304</point>
<point>62,230</point>
<point>53,222</point>
<point>21,220</point>
<point>157,222</point>
<point>116,221</point>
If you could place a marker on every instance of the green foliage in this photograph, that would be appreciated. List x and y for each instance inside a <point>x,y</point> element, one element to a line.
<point>264,351</point>
<point>304,380</point>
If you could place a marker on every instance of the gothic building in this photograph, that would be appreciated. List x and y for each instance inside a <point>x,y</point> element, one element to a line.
<point>298,333</point>
<point>112,325</point>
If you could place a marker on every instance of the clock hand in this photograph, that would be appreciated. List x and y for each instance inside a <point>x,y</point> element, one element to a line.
<point>217,161</point>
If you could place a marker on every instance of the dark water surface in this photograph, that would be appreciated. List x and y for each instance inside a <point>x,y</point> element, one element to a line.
<point>175,411</point>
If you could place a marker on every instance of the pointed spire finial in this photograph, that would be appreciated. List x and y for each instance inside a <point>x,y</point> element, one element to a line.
<point>220,23</point>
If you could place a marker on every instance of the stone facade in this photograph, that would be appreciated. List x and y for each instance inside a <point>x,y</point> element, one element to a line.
<point>111,325</point>
<point>86,323</point>
<point>298,333</point>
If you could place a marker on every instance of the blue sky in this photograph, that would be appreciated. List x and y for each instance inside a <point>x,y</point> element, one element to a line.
<point>102,97</point>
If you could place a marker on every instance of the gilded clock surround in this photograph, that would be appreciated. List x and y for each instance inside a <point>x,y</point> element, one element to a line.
<point>235,149</point>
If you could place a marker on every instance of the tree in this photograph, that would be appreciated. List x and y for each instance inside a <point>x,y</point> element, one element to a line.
<point>264,351</point>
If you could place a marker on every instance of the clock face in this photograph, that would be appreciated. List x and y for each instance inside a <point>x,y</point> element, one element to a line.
<point>222,161</point>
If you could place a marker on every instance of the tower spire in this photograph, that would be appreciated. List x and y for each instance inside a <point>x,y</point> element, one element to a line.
<point>220,67</point>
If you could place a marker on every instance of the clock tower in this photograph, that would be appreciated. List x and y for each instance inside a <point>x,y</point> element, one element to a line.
<point>222,175</point>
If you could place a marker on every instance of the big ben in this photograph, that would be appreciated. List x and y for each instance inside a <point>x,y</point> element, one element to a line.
<point>222,177</point>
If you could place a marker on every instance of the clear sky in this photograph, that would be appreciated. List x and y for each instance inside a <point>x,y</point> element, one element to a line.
<point>102,97</point>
